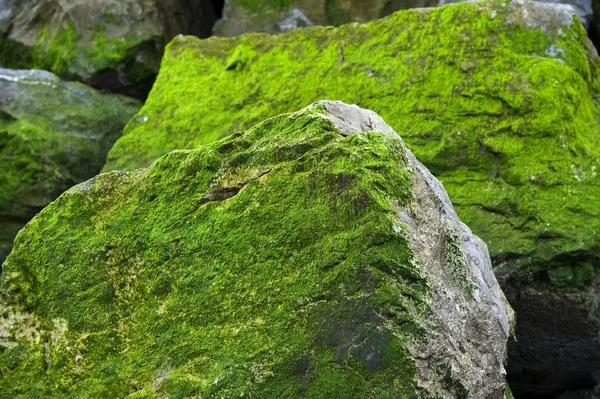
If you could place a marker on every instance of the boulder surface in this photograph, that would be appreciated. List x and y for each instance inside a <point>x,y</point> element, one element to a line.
<point>498,100</point>
<point>53,135</point>
<point>114,45</point>
<point>243,16</point>
<point>310,256</point>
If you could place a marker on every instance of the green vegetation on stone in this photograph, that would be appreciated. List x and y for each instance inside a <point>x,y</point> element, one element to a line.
<point>53,135</point>
<point>265,264</point>
<point>262,5</point>
<point>496,98</point>
<point>66,53</point>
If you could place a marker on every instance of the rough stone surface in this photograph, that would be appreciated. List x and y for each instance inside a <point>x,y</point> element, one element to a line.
<point>52,135</point>
<point>242,16</point>
<point>583,9</point>
<point>497,100</point>
<point>310,256</point>
<point>114,45</point>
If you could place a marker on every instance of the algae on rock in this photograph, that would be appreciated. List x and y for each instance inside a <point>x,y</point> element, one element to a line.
<point>53,135</point>
<point>497,99</point>
<point>500,107</point>
<point>310,256</point>
<point>114,45</point>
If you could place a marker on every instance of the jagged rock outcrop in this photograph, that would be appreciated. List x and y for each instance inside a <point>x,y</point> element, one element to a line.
<point>310,256</point>
<point>114,45</point>
<point>53,134</point>
<point>242,16</point>
<point>498,100</point>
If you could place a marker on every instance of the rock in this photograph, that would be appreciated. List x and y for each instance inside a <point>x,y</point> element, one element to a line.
<point>53,134</point>
<point>114,45</point>
<point>497,100</point>
<point>242,16</point>
<point>274,17</point>
<point>583,9</point>
<point>310,256</point>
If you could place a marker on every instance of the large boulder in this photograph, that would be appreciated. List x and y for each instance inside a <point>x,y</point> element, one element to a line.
<point>497,99</point>
<point>310,256</point>
<point>53,135</point>
<point>242,16</point>
<point>114,45</point>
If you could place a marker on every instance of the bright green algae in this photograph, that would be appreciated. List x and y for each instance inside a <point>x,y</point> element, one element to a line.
<point>496,99</point>
<point>53,135</point>
<point>265,264</point>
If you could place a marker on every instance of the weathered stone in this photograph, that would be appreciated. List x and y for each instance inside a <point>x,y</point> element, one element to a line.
<point>114,45</point>
<point>583,9</point>
<point>53,135</point>
<point>310,256</point>
<point>242,16</point>
<point>497,100</point>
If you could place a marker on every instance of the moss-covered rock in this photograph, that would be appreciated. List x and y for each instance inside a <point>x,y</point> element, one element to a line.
<point>114,45</point>
<point>310,256</point>
<point>497,99</point>
<point>242,16</point>
<point>52,135</point>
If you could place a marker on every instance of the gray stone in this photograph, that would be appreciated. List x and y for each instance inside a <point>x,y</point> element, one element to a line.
<point>114,45</point>
<point>53,134</point>
<point>264,17</point>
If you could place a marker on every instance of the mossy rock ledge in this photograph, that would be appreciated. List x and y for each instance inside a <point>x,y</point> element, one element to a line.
<point>309,256</point>
<point>53,135</point>
<point>114,45</point>
<point>498,99</point>
<point>243,16</point>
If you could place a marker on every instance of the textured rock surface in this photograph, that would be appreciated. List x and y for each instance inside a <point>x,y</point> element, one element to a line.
<point>52,135</point>
<point>311,256</point>
<point>242,16</point>
<point>115,45</point>
<point>583,9</point>
<point>497,100</point>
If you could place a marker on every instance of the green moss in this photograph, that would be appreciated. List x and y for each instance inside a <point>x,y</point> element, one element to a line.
<point>14,55</point>
<point>64,51</point>
<point>52,136</point>
<point>576,276</point>
<point>257,6</point>
<point>263,264</point>
<point>498,108</point>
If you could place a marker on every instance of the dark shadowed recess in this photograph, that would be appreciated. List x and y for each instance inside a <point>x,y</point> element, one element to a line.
<point>556,354</point>
<point>218,7</point>
<point>194,17</point>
